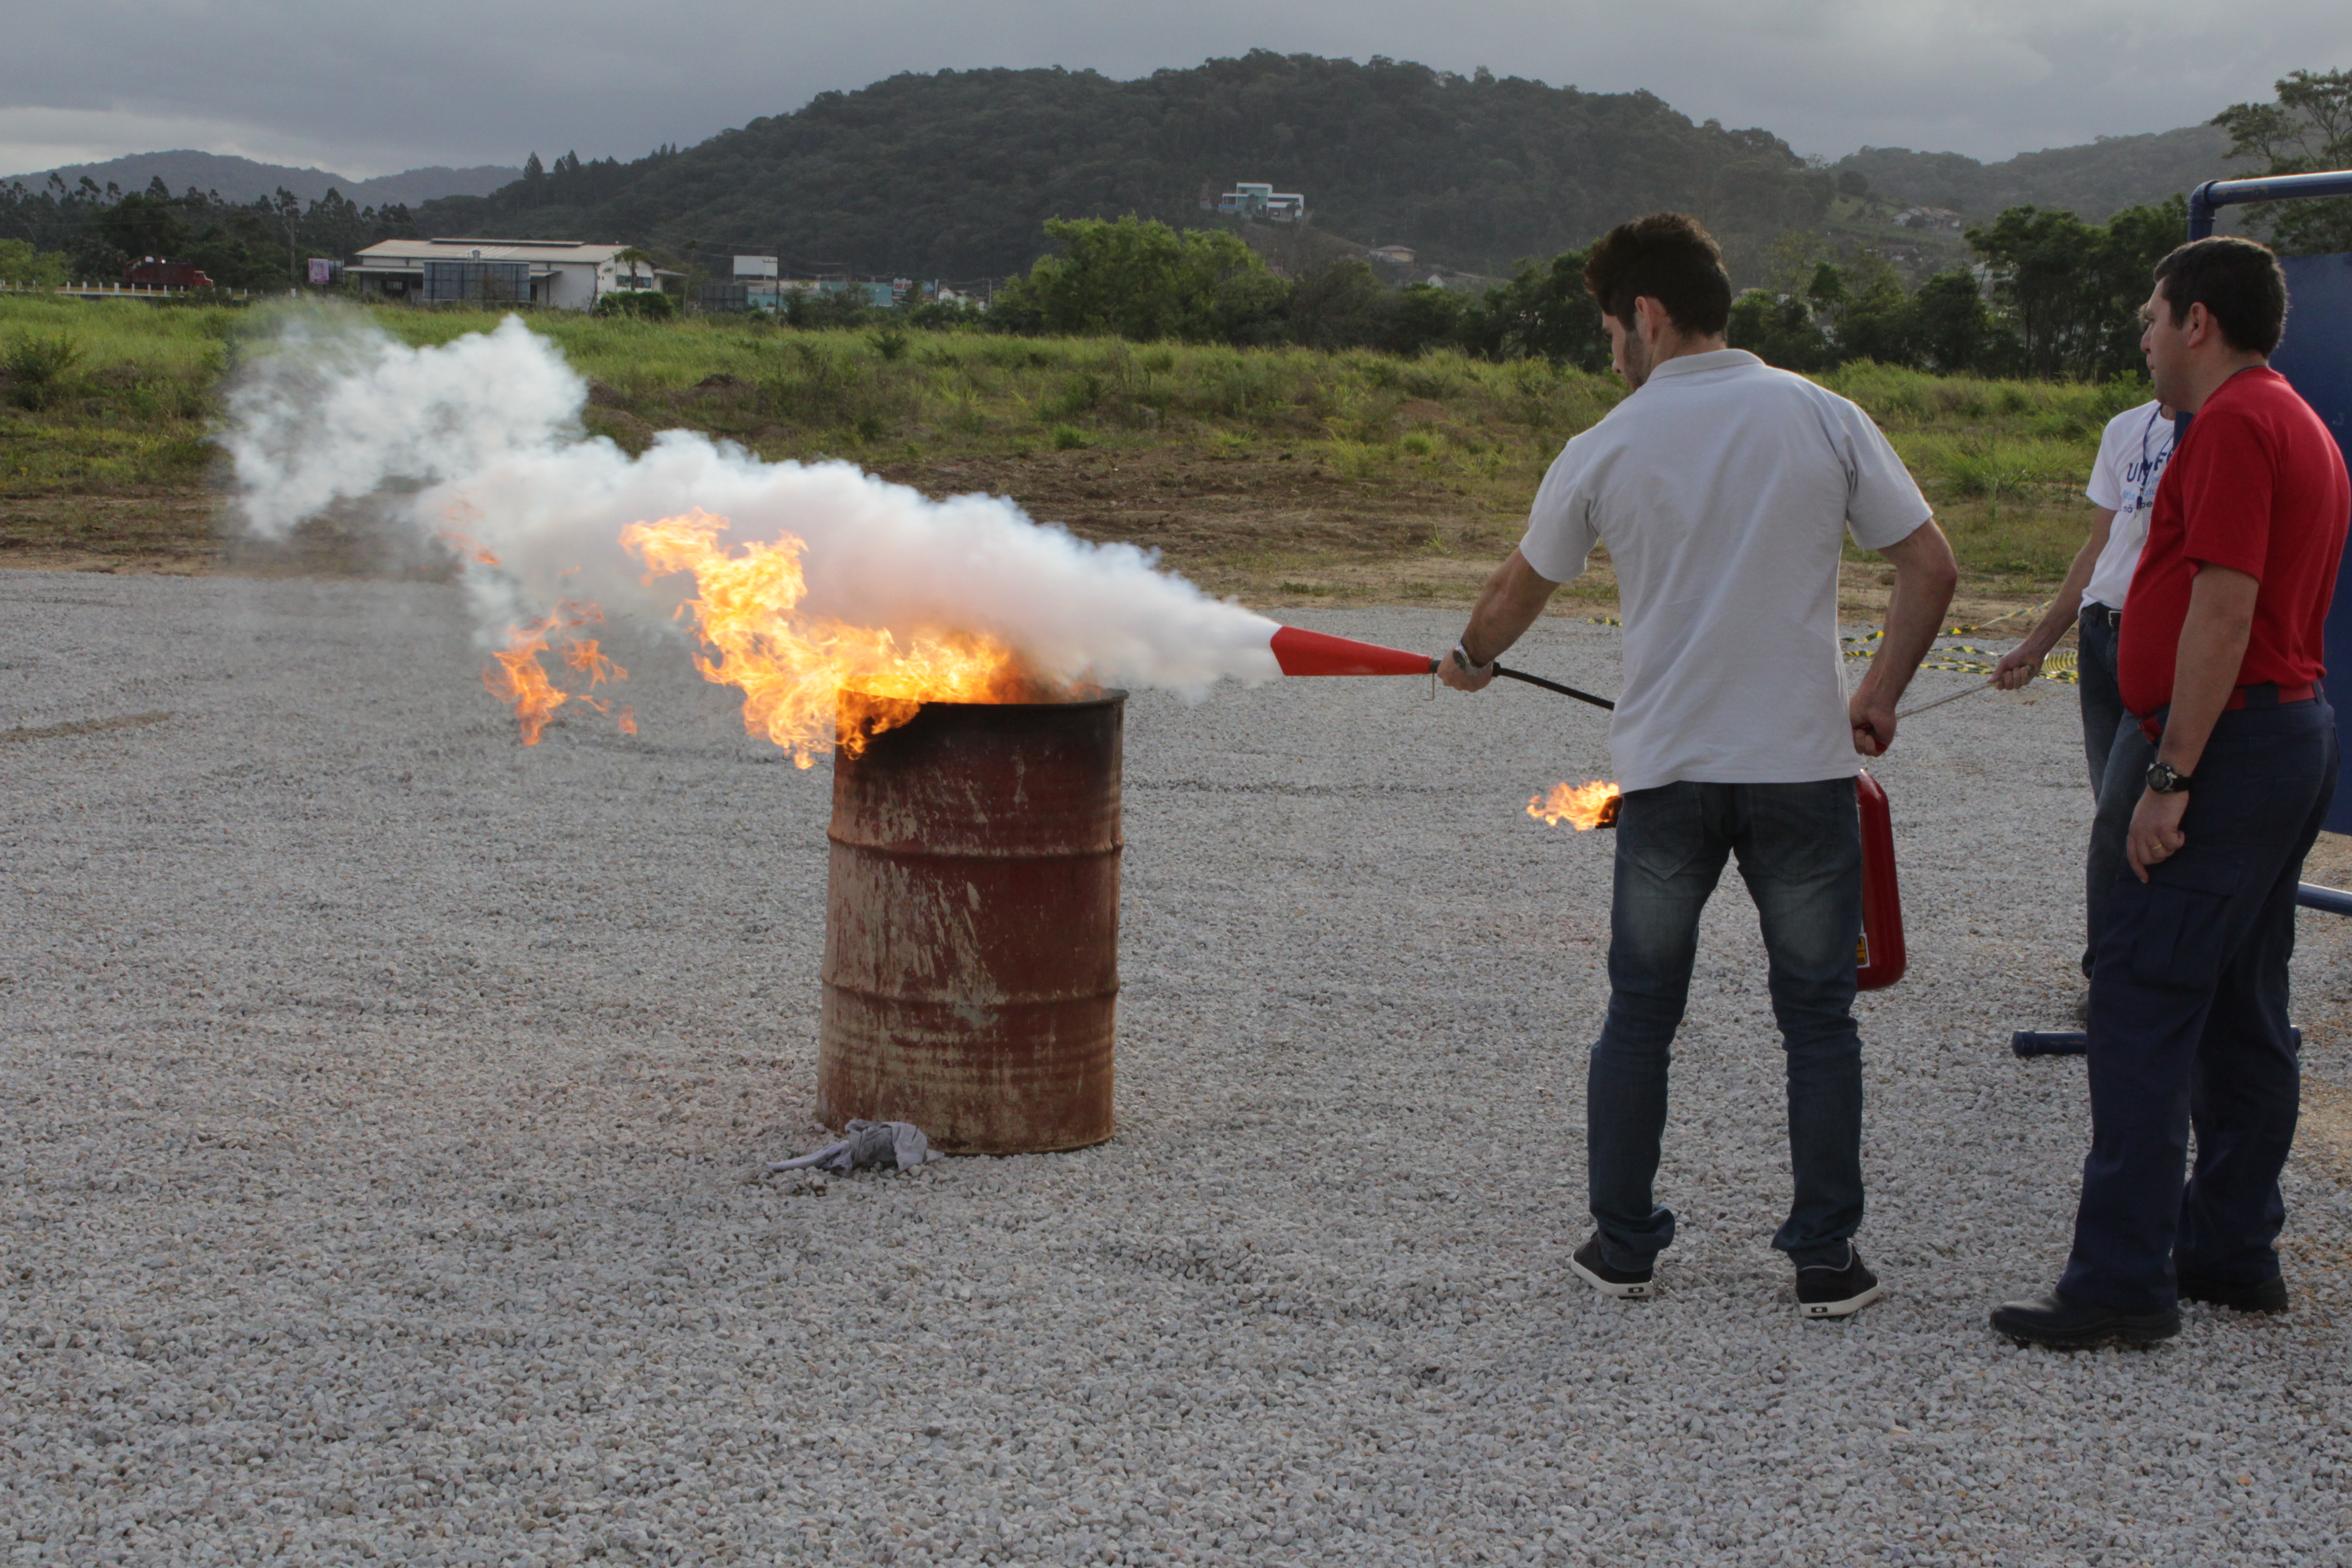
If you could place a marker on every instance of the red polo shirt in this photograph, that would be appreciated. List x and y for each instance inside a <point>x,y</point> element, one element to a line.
<point>2256,484</point>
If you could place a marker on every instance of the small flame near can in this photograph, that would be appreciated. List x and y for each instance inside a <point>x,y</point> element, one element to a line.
<point>1582,806</point>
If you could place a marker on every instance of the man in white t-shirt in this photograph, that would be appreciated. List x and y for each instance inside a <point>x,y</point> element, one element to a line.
<point>1725,491</point>
<point>2132,454</point>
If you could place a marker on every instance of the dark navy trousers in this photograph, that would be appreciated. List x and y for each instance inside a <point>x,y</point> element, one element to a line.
<point>2188,1024</point>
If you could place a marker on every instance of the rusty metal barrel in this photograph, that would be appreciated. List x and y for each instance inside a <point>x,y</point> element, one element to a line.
<point>971,926</point>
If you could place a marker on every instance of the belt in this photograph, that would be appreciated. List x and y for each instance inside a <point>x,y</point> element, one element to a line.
<point>2268,694</point>
<point>2262,694</point>
<point>2106,612</point>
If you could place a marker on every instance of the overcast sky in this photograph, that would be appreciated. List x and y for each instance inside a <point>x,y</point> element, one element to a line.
<point>373,89</point>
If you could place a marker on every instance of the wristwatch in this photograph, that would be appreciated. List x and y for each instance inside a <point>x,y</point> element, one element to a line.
<point>1461,662</point>
<point>2163,778</point>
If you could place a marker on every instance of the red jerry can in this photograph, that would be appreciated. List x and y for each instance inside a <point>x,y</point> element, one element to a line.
<point>1879,958</point>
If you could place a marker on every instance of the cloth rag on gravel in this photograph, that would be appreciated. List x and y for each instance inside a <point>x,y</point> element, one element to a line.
<point>898,1143</point>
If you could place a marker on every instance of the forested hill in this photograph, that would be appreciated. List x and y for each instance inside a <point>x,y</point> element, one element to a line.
<point>2094,182</point>
<point>953,174</point>
<point>237,179</point>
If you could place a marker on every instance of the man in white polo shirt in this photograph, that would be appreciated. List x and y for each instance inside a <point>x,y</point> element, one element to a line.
<point>1725,491</point>
<point>2132,454</point>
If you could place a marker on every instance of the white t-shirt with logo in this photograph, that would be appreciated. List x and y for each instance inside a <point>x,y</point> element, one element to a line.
<point>2132,454</point>
<point>1725,490</point>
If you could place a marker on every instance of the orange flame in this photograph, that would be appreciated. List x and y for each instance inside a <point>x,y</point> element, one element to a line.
<point>516,678</point>
<point>582,654</point>
<point>467,548</point>
<point>793,668</point>
<point>628,720</point>
<point>1592,805</point>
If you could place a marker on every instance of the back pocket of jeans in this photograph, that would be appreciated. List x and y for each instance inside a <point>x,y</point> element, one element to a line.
<point>2183,917</point>
<point>1662,830</point>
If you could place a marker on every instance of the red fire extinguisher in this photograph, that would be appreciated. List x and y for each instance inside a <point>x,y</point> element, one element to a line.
<point>1879,958</point>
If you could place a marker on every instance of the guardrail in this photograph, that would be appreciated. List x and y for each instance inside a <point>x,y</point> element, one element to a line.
<point>119,291</point>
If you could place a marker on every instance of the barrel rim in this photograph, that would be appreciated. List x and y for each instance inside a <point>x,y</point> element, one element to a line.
<point>1109,697</point>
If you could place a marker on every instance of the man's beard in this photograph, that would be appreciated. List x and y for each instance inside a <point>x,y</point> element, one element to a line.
<point>1637,361</point>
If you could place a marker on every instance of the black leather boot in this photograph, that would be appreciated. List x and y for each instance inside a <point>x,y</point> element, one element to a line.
<point>2270,1296</point>
<point>2053,1320</point>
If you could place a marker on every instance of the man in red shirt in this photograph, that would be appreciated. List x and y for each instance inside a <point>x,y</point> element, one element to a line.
<point>2221,661</point>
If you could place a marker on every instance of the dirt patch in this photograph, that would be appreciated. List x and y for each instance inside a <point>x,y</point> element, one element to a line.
<point>163,531</point>
<point>1272,529</point>
<point>83,726</point>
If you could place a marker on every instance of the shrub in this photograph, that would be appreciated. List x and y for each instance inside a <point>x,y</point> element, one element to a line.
<point>39,366</point>
<point>645,304</point>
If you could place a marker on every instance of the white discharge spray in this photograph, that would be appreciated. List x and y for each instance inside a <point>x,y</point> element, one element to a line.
<point>479,443</point>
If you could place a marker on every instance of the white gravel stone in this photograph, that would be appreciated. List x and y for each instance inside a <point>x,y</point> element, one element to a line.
<point>383,1104</point>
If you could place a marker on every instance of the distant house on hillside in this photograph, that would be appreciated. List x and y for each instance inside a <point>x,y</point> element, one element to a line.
<point>565,273</point>
<point>1394,254</point>
<point>1930,217</point>
<point>1257,199</point>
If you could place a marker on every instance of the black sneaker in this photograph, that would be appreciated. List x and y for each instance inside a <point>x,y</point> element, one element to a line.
<point>1629,1284</point>
<point>1826,1292</point>
<point>2270,1296</point>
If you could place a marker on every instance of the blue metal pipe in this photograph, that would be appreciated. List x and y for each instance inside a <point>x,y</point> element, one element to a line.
<point>2213,194</point>
<point>2311,896</point>
<point>2076,1043</point>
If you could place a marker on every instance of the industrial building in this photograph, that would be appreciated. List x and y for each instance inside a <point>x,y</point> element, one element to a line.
<point>567,274</point>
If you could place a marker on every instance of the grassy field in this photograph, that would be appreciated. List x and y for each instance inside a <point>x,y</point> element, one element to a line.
<point>1285,475</point>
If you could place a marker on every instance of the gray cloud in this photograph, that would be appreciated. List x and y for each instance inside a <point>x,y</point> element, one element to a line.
<point>366,91</point>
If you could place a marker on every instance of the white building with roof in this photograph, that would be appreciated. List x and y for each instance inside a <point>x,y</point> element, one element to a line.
<point>1256,198</point>
<point>568,274</point>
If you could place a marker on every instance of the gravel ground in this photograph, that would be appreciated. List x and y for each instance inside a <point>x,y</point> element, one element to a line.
<point>384,1103</point>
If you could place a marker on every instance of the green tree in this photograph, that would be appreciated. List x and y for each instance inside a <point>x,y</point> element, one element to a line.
<point>149,223</point>
<point>26,268</point>
<point>1426,315</point>
<point>1875,319</point>
<point>240,248</point>
<point>1144,281</point>
<point>1781,331</point>
<point>285,210</point>
<point>1956,331</point>
<point>2074,289</point>
<point>2046,269</point>
<point>1342,306</point>
<point>1543,313</point>
<point>2307,130</point>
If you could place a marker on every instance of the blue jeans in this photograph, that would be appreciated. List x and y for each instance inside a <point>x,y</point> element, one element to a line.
<point>2095,683</point>
<point>1799,849</point>
<point>2188,1024</point>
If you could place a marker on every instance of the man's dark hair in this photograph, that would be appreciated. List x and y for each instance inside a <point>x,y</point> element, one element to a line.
<point>1669,257</point>
<point>2237,282</point>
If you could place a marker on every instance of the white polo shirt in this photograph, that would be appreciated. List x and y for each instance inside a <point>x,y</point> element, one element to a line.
<point>2133,451</point>
<point>1725,490</point>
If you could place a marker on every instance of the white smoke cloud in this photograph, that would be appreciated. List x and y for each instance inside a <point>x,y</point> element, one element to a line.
<point>481,438</point>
